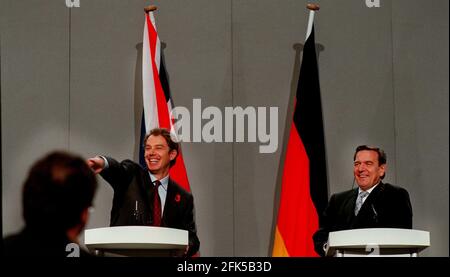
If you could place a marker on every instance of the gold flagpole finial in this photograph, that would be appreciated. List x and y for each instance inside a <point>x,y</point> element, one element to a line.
<point>313,7</point>
<point>150,8</point>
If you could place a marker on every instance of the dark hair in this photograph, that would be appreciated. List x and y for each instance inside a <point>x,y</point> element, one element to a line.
<point>173,145</point>
<point>382,159</point>
<point>381,155</point>
<point>57,190</point>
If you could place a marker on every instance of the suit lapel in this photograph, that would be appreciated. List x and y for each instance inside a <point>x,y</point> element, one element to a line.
<point>371,199</point>
<point>168,206</point>
<point>367,212</point>
<point>148,190</point>
<point>350,206</point>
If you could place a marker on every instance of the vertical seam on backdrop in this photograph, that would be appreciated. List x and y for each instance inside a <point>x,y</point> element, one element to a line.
<point>232,144</point>
<point>70,73</point>
<point>1,131</point>
<point>393,94</point>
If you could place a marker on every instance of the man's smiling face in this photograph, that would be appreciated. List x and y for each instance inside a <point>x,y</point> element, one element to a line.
<point>367,170</point>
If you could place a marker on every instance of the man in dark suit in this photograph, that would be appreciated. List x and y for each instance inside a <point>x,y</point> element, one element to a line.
<point>149,196</point>
<point>373,204</point>
<point>56,197</point>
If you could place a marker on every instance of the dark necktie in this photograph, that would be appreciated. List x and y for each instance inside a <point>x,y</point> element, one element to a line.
<point>156,205</point>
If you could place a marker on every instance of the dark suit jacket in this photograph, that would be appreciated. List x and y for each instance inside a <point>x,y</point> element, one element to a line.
<point>132,183</point>
<point>387,206</point>
<point>42,242</point>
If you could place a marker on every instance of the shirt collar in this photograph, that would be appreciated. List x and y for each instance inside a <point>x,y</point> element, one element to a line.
<point>164,181</point>
<point>369,190</point>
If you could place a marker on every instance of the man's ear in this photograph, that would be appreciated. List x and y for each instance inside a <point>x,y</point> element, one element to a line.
<point>173,154</point>
<point>382,170</point>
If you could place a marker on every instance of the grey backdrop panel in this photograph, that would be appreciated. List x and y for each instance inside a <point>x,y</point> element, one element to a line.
<point>421,95</point>
<point>35,93</point>
<point>265,35</point>
<point>71,79</point>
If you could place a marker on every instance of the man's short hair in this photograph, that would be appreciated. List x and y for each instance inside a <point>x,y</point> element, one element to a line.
<point>59,187</point>
<point>382,159</point>
<point>173,145</point>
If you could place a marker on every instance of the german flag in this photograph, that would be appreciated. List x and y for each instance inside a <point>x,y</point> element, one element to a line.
<point>304,193</point>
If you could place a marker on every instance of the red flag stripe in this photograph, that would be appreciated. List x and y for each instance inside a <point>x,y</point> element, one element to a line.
<point>304,182</point>
<point>161,101</point>
<point>297,228</point>
<point>158,108</point>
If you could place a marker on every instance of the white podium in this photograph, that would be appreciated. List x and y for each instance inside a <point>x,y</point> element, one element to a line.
<point>377,242</point>
<point>136,241</point>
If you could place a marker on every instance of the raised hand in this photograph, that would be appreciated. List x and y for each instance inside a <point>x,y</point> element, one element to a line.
<point>96,164</point>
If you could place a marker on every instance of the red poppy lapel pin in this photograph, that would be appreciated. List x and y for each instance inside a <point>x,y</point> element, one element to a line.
<point>177,198</point>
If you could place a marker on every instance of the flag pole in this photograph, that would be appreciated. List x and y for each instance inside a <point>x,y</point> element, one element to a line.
<point>312,9</point>
<point>150,8</point>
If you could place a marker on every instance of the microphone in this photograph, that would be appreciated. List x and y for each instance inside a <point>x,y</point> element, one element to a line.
<point>138,215</point>
<point>375,214</point>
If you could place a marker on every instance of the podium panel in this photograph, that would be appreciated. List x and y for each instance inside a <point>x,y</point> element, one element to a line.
<point>136,241</point>
<point>377,242</point>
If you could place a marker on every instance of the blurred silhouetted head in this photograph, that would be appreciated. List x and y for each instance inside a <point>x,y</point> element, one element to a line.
<point>58,189</point>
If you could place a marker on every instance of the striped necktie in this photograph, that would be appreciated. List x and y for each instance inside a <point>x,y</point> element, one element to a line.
<point>359,201</point>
